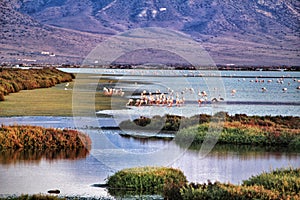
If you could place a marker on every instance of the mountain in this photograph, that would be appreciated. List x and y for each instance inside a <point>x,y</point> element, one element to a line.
<point>23,39</point>
<point>253,32</point>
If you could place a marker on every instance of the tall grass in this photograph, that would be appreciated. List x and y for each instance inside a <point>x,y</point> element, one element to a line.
<point>283,180</point>
<point>246,130</point>
<point>278,184</point>
<point>239,134</point>
<point>34,137</point>
<point>13,80</point>
<point>146,180</point>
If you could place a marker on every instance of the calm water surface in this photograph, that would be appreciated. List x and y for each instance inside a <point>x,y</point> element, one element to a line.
<point>112,152</point>
<point>280,98</point>
<point>74,175</point>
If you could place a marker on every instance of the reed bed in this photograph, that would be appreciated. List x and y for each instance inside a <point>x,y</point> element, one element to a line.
<point>172,184</point>
<point>13,80</point>
<point>146,180</point>
<point>35,137</point>
<point>239,134</point>
<point>278,184</point>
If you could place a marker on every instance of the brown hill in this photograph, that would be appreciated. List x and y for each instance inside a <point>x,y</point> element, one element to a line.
<point>255,32</point>
<point>23,39</point>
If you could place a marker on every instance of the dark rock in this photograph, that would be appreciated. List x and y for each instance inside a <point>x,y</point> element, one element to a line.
<point>56,191</point>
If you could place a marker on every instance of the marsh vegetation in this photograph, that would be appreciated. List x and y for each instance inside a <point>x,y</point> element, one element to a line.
<point>172,184</point>
<point>13,80</point>
<point>39,138</point>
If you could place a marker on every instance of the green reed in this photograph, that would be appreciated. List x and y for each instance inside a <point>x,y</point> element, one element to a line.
<point>146,180</point>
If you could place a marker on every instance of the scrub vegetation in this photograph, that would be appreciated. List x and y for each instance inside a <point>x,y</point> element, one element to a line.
<point>245,130</point>
<point>172,184</point>
<point>278,184</point>
<point>13,80</point>
<point>146,180</point>
<point>238,129</point>
<point>35,137</point>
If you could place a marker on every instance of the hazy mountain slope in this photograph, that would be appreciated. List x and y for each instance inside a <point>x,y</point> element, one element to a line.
<point>24,38</point>
<point>248,32</point>
<point>204,16</point>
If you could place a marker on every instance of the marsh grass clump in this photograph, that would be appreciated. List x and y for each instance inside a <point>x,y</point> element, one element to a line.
<point>146,180</point>
<point>278,184</point>
<point>13,80</point>
<point>286,181</point>
<point>35,137</point>
<point>246,130</point>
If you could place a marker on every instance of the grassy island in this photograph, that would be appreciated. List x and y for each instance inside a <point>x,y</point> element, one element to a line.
<point>238,129</point>
<point>172,184</point>
<point>278,184</point>
<point>246,130</point>
<point>146,180</point>
<point>13,79</point>
<point>35,137</point>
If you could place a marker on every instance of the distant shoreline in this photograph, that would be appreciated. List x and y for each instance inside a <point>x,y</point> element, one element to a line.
<point>156,67</point>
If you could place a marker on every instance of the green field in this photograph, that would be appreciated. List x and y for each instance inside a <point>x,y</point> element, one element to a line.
<point>56,101</point>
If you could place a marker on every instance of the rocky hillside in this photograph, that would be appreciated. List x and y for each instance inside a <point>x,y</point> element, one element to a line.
<point>259,32</point>
<point>24,39</point>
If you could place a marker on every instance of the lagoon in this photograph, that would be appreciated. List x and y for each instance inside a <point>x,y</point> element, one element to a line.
<point>111,151</point>
<point>76,176</point>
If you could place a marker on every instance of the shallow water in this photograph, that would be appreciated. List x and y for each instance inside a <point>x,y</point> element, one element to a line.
<point>249,97</point>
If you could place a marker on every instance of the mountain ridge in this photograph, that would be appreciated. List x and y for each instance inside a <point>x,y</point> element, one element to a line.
<point>255,32</point>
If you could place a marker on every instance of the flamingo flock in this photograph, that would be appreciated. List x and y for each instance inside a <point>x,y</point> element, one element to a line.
<point>172,98</point>
<point>157,98</point>
<point>169,99</point>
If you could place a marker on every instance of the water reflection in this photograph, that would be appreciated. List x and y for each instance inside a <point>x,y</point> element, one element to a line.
<point>223,151</point>
<point>246,152</point>
<point>35,156</point>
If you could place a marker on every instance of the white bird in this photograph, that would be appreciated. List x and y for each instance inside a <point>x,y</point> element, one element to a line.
<point>233,92</point>
<point>263,89</point>
<point>130,102</point>
<point>284,89</point>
